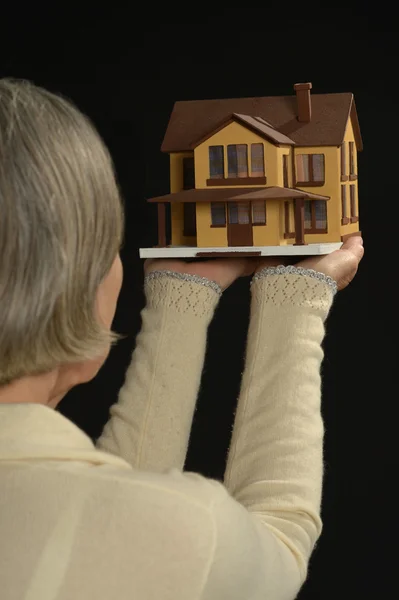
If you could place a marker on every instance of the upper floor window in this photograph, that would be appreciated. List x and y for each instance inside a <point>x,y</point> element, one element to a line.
<point>237,160</point>
<point>351,158</point>
<point>237,163</point>
<point>310,169</point>
<point>188,173</point>
<point>285,170</point>
<point>344,174</point>
<point>257,160</point>
<point>216,162</point>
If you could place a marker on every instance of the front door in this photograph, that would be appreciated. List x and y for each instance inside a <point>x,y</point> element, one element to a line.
<point>239,224</point>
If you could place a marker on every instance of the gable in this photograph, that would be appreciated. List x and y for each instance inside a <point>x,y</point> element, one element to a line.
<point>256,124</point>
<point>232,132</point>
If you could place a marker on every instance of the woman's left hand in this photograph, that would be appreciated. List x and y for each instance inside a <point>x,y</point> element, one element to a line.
<point>224,271</point>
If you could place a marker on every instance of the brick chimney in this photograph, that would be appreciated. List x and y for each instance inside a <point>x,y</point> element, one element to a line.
<point>304,105</point>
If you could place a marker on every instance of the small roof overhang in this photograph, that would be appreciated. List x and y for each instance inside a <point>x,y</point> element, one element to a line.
<point>237,195</point>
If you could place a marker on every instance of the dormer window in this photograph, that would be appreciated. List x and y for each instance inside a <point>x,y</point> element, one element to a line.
<point>240,171</point>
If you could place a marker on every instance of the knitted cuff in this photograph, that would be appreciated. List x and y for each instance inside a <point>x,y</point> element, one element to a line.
<point>294,286</point>
<point>188,294</point>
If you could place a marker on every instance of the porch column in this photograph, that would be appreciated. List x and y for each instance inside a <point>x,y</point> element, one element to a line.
<point>299,222</point>
<point>161,225</point>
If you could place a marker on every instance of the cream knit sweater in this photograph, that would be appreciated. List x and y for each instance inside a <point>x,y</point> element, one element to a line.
<point>123,520</point>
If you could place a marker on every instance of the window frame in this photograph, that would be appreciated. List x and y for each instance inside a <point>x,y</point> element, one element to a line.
<point>287,221</point>
<point>213,177</point>
<point>313,228</point>
<point>344,174</point>
<point>192,226</point>
<point>352,194</point>
<point>263,223</point>
<point>248,179</point>
<point>216,205</point>
<point>237,175</point>
<point>286,178</point>
<point>344,206</point>
<point>262,173</point>
<point>352,170</point>
<point>311,182</point>
<point>190,160</point>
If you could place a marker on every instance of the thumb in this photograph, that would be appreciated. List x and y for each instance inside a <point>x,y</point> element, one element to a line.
<point>343,263</point>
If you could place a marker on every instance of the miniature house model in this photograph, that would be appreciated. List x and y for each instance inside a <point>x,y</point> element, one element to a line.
<point>257,176</point>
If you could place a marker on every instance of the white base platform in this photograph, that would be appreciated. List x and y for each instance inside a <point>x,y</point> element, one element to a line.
<point>289,250</point>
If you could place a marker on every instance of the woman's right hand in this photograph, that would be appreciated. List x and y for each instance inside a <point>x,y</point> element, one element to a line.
<point>341,265</point>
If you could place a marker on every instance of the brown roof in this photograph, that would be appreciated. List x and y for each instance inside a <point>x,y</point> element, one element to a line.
<point>229,194</point>
<point>191,120</point>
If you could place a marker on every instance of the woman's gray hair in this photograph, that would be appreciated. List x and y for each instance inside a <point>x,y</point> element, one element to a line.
<point>61,227</point>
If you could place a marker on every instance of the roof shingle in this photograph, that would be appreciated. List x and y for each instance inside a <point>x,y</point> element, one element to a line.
<point>192,120</point>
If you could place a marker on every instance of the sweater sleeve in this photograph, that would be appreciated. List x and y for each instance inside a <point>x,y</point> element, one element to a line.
<point>150,424</point>
<point>275,463</point>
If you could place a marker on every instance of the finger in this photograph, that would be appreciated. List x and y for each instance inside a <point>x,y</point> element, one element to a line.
<point>354,245</point>
<point>355,241</point>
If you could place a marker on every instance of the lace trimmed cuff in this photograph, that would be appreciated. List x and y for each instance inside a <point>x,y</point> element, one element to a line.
<point>185,277</point>
<point>282,270</point>
<point>184,293</point>
<point>294,287</point>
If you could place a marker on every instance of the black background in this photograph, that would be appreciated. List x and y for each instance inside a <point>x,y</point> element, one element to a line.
<point>125,72</point>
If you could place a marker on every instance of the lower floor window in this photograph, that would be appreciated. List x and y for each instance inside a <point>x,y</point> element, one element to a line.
<point>259,212</point>
<point>239,213</point>
<point>190,220</point>
<point>218,214</point>
<point>354,214</point>
<point>315,216</point>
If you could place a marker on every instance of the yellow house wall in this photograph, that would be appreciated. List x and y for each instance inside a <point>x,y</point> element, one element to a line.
<point>208,236</point>
<point>234,133</point>
<point>349,137</point>
<point>281,151</point>
<point>331,188</point>
<point>273,232</point>
<point>176,209</point>
<point>268,235</point>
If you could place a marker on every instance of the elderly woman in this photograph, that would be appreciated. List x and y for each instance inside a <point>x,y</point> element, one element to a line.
<point>122,519</point>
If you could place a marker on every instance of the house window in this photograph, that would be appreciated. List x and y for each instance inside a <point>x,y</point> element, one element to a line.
<point>310,169</point>
<point>344,175</point>
<point>285,171</point>
<point>188,173</point>
<point>259,212</point>
<point>286,216</point>
<point>218,214</point>
<point>354,215</point>
<point>190,219</point>
<point>315,216</point>
<point>216,162</point>
<point>308,215</point>
<point>257,160</point>
<point>344,208</point>
<point>239,213</point>
<point>351,158</point>
<point>237,160</point>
